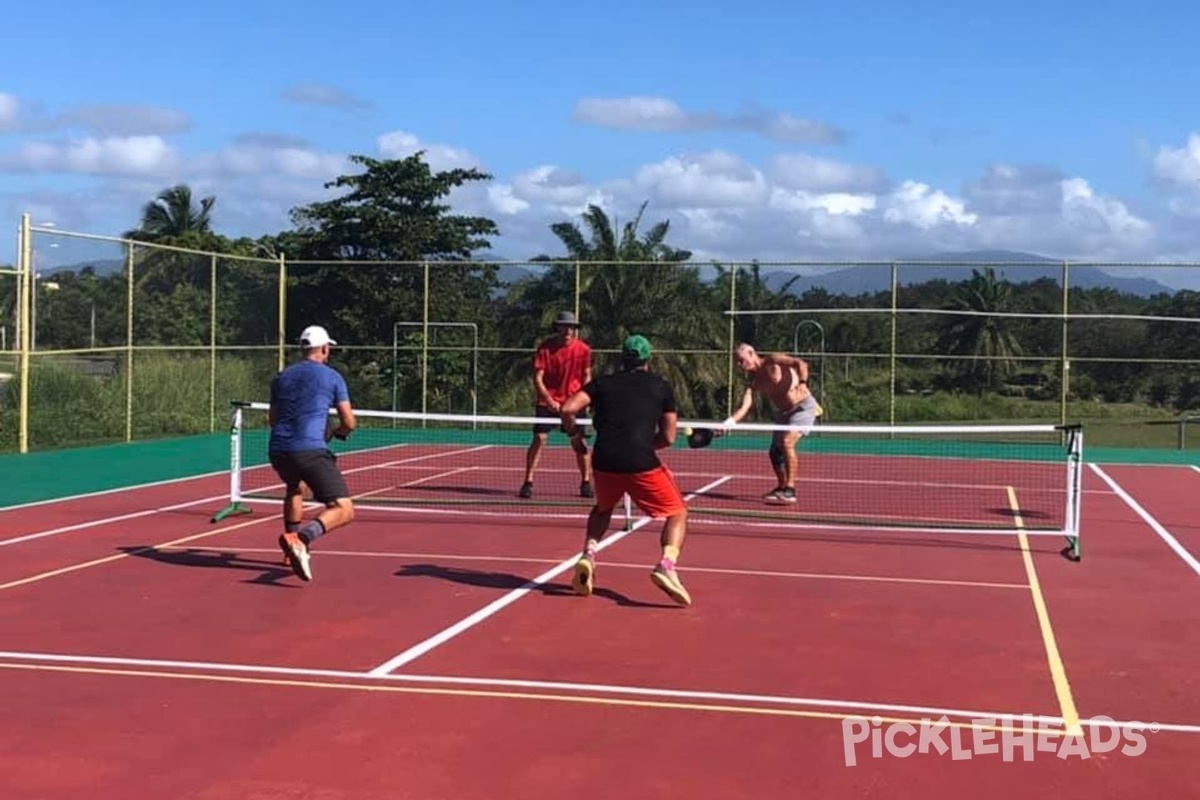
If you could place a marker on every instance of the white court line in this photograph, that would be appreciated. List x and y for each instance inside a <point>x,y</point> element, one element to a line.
<point>718,520</point>
<point>753,573</point>
<point>419,649</point>
<point>149,512</point>
<point>579,688</point>
<point>836,481</point>
<point>1154,524</point>
<point>102,492</point>
<point>1193,466</point>
<point>93,523</point>
<point>169,481</point>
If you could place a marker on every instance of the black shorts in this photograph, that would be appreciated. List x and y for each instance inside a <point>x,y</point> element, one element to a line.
<point>317,468</point>
<point>546,427</point>
<point>543,412</point>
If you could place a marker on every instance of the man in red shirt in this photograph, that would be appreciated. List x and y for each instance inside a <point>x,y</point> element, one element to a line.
<point>562,365</point>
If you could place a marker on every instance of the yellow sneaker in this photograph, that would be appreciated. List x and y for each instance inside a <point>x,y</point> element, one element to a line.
<point>666,578</point>
<point>585,571</point>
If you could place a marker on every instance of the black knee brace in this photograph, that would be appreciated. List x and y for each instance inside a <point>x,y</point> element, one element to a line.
<point>777,455</point>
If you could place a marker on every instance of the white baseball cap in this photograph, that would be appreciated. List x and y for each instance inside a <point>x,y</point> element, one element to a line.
<point>315,336</point>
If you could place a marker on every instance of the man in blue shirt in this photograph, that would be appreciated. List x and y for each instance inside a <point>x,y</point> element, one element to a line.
<point>301,397</point>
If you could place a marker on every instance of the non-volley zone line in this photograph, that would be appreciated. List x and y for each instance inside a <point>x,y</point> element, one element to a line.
<point>136,487</point>
<point>561,691</point>
<point>468,622</point>
<point>718,522</point>
<point>727,571</point>
<point>769,517</point>
<point>112,520</point>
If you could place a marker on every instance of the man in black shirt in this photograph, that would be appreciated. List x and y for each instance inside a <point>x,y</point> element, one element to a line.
<point>634,414</point>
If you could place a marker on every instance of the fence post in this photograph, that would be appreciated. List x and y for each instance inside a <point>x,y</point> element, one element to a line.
<point>578,292</point>
<point>732,333</point>
<point>1065,367</point>
<point>24,275</point>
<point>212,345</point>
<point>130,260</point>
<point>892,391</point>
<point>425,345</point>
<point>282,311</point>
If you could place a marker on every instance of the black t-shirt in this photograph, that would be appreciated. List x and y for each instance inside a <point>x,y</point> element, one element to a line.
<point>626,408</point>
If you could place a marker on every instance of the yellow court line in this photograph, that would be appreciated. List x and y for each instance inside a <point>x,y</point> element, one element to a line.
<point>1058,671</point>
<point>147,549</point>
<point>512,695</point>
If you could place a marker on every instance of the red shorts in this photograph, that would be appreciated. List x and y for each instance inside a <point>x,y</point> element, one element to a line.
<point>653,491</point>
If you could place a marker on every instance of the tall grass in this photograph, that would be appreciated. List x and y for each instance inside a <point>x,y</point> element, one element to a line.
<point>78,402</point>
<point>72,405</point>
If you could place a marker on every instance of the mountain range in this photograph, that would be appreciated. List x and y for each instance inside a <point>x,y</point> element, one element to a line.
<point>858,279</point>
<point>1015,266</point>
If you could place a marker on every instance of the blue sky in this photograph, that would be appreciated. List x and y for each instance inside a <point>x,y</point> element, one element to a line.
<point>762,130</point>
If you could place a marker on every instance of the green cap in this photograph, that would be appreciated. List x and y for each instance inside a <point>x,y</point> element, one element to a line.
<point>636,347</point>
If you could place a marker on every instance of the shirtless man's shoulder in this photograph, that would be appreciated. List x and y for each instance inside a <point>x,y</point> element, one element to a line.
<point>781,382</point>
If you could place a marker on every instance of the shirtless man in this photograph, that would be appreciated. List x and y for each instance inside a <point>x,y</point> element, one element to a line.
<point>784,381</point>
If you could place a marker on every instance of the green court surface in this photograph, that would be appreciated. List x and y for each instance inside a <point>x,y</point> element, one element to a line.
<point>53,474</point>
<point>61,473</point>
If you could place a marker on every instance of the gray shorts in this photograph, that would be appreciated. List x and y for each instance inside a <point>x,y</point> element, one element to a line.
<point>802,415</point>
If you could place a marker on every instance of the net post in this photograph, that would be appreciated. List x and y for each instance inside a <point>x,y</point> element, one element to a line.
<point>1074,434</point>
<point>236,427</point>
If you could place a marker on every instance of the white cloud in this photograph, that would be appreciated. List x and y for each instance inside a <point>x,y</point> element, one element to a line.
<point>288,160</point>
<point>1048,212</point>
<point>552,185</point>
<point>662,114</point>
<point>124,120</point>
<point>9,111</point>
<point>402,144</point>
<point>715,178</point>
<point>1179,166</point>
<point>836,203</point>
<point>640,113</point>
<point>1088,211</point>
<point>320,94</point>
<point>104,120</point>
<point>808,173</point>
<point>114,155</point>
<point>785,206</point>
<point>917,204</point>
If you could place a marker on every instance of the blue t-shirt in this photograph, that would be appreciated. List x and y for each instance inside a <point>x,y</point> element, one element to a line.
<point>302,395</point>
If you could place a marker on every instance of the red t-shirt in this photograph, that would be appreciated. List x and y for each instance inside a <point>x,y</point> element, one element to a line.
<point>565,367</point>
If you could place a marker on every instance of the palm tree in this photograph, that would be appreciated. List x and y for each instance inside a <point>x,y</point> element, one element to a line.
<point>633,282</point>
<point>171,287</point>
<point>980,334</point>
<point>171,216</point>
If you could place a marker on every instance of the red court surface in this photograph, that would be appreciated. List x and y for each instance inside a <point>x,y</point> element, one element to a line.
<point>155,654</point>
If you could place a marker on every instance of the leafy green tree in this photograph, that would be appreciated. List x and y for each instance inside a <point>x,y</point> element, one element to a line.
<point>394,215</point>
